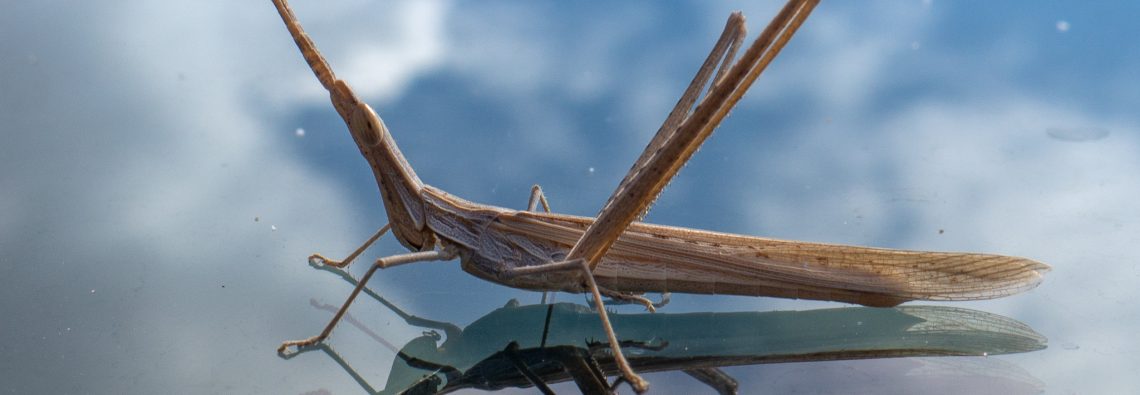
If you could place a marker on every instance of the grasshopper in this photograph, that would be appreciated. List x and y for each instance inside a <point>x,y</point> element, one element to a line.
<point>615,255</point>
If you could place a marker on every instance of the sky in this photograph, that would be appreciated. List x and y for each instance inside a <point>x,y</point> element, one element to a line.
<point>165,168</point>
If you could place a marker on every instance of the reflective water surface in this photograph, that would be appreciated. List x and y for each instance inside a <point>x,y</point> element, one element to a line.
<point>541,344</point>
<point>166,168</point>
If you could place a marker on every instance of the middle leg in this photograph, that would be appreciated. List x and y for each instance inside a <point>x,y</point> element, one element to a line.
<point>536,197</point>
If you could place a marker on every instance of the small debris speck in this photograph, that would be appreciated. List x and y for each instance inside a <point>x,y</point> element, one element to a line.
<point>1077,134</point>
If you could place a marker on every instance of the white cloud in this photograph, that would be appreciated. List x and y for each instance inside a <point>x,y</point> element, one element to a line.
<point>160,107</point>
<point>154,142</point>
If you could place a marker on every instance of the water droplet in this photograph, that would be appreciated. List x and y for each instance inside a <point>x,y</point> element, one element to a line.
<point>1062,26</point>
<point>915,45</point>
<point>299,132</point>
<point>1077,133</point>
<point>273,228</point>
<point>591,170</point>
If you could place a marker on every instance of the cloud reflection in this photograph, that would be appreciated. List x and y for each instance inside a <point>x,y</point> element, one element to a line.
<point>141,140</point>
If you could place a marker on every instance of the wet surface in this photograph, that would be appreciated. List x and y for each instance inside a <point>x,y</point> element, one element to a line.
<point>165,170</point>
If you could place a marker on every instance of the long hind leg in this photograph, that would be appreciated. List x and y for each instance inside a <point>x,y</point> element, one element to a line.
<point>674,145</point>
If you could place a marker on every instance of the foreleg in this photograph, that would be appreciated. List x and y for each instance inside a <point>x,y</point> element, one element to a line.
<point>318,259</point>
<point>381,263</point>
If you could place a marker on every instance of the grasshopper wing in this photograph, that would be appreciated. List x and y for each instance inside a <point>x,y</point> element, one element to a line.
<point>655,258</point>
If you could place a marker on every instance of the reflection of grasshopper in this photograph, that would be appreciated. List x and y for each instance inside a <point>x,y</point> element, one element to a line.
<point>521,346</point>
<point>545,251</point>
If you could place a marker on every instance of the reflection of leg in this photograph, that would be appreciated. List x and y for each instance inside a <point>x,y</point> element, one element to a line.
<point>380,264</point>
<point>356,376</point>
<point>512,352</point>
<point>716,378</point>
<point>639,384</point>
<point>447,327</point>
<point>318,259</point>
<point>349,319</point>
<point>586,372</point>
<point>582,367</point>
<point>595,346</point>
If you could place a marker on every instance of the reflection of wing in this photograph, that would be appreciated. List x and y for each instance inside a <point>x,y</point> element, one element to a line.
<point>488,353</point>
<point>655,258</point>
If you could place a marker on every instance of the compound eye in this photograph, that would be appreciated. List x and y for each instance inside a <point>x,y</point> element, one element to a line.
<point>367,126</point>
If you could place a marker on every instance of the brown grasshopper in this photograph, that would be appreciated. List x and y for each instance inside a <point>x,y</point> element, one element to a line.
<point>616,256</point>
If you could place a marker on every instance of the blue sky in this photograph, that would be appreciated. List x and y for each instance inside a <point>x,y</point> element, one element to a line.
<point>142,139</point>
